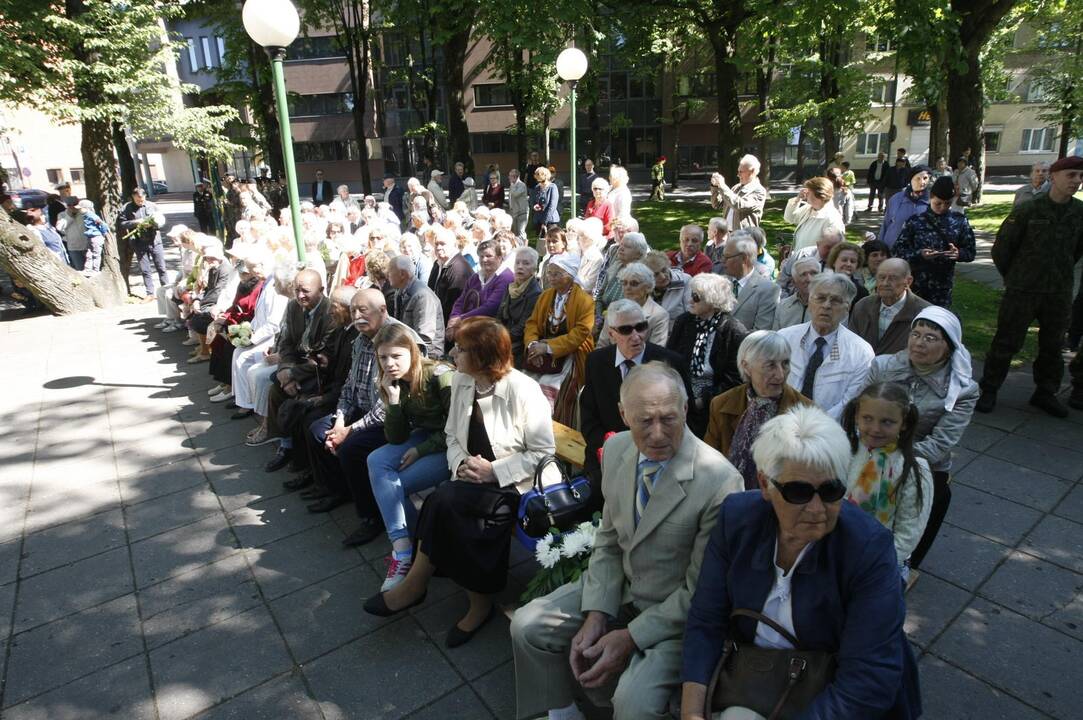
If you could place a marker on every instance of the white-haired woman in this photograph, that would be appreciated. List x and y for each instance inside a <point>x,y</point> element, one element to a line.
<point>410,246</point>
<point>620,197</point>
<point>590,240</point>
<point>632,248</point>
<point>257,361</point>
<point>846,600</point>
<point>637,284</point>
<point>520,298</point>
<point>599,206</point>
<point>709,336</point>
<point>672,288</point>
<point>736,416</point>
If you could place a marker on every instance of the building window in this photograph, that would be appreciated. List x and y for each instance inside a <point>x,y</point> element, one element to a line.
<point>325,151</point>
<point>1035,93</point>
<point>208,58</point>
<point>56,176</point>
<point>884,92</point>
<point>314,48</point>
<point>871,143</point>
<point>495,95</point>
<point>991,138</point>
<point>322,104</point>
<point>193,57</point>
<point>221,43</point>
<point>498,142</point>
<point>1037,140</point>
<point>76,175</point>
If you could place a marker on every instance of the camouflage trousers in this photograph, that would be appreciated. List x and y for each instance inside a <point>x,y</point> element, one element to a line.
<point>1018,309</point>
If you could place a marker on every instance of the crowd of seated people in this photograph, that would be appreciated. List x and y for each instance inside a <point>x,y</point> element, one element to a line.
<point>732,437</point>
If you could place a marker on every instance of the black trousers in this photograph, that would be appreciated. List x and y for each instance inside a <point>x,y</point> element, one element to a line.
<point>345,473</point>
<point>941,501</point>
<point>1018,310</point>
<point>876,192</point>
<point>1075,330</point>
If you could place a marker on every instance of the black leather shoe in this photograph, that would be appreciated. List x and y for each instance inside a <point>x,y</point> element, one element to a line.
<point>298,482</point>
<point>327,504</point>
<point>375,605</point>
<point>315,493</point>
<point>456,637</point>
<point>242,414</point>
<point>279,461</point>
<point>1049,403</point>
<point>987,402</point>
<point>370,529</point>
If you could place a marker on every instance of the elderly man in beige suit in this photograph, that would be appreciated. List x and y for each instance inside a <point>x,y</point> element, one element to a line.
<point>621,625</point>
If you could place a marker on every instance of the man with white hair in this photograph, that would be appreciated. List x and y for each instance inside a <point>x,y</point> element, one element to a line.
<point>830,237</point>
<point>690,259</point>
<point>883,320</point>
<point>343,201</point>
<point>1038,185</point>
<point>416,306</point>
<point>794,309</point>
<point>757,296</point>
<point>828,362</point>
<point>742,204</point>
<point>437,191</point>
<point>621,624</point>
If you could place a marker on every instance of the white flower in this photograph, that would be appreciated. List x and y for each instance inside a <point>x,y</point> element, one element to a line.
<point>547,556</point>
<point>576,542</point>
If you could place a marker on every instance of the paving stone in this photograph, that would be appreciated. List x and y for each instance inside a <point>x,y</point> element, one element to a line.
<point>266,521</point>
<point>931,604</point>
<point>9,560</point>
<point>462,703</point>
<point>1003,418</point>
<point>207,667</point>
<point>1052,430</point>
<point>63,544</point>
<point>63,472</point>
<point>1071,506</point>
<point>947,692</point>
<point>300,560</point>
<point>7,605</point>
<point>961,457</point>
<point>1039,590</point>
<point>962,557</point>
<point>119,691</point>
<point>71,588</point>
<point>979,512</point>
<point>155,482</point>
<point>1032,670</point>
<point>56,505</point>
<point>171,511</point>
<point>55,654</point>
<point>1008,480</point>
<point>146,454</point>
<point>405,653</point>
<point>328,614</point>
<point>202,597</point>
<point>979,437</point>
<point>488,649</point>
<point>215,432</point>
<point>1040,456</point>
<point>181,550</point>
<point>1057,540</point>
<point>283,697</point>
<point>497,690</point>
<point>242,480</point>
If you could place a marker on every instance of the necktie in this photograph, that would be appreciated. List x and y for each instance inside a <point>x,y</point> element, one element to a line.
<point>736,288</point>
<point>814,364</point>
<point>644,486</point>
<point>628,365</point>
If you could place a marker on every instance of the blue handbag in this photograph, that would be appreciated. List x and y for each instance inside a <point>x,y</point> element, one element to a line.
<point>562,506</point>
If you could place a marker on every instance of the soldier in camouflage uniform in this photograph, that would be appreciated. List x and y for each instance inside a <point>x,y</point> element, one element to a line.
<point>1036,249</point>
<point>933,241</point>
<point>231,208</point>
<point>658,179</point>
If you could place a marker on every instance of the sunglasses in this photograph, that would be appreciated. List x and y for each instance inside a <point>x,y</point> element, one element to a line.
<point>799,492</point>
<point>639,327</point>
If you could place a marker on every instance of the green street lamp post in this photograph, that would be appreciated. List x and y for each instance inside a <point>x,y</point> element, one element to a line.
<point>571,66</point>
<point>274,24</point>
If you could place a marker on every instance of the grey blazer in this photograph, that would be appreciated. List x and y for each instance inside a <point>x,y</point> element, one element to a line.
<point>757,303</point>
<point>417,307</point>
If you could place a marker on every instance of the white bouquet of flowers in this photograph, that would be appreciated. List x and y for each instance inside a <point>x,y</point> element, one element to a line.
<point>240,335</point>
<point>563,558</point>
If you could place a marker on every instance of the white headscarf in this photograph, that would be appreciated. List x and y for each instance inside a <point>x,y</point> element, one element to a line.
<point>961,370</point>
<point>568,262</point>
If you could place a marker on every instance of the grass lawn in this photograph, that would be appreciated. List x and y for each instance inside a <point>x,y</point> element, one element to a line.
<point>976,304</point>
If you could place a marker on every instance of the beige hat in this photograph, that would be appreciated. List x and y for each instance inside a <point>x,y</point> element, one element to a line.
<point>176,231</point>
<point>435,174</point>
<point>214,250</point>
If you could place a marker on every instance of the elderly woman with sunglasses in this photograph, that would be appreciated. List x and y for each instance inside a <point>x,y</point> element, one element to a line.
<point>637,284</point>
<point>847,600</point>
<point>708,336</point>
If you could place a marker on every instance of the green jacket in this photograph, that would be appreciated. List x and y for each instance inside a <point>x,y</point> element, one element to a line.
<point>658,171</point>
<point>1038,245</point>
<point>427,411</point>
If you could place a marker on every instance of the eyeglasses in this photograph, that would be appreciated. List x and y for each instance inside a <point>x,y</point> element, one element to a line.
<point>828,300</point>
<point>696,297</point>
<point>929,338</point>
<point>639,327</point>
<point>799,492</point>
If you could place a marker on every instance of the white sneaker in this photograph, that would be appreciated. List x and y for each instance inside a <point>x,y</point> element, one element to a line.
<point>190,342</point>
<point>173,327</point>
<point>161,325</point>
<point>222,396</point>
<point>216,389</point>
<point>396,572</point>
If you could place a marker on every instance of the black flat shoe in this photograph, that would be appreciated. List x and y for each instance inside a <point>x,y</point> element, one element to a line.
<point>279,461</point>
<point>299,482</point>
<point>370,530</point>
<point>241,414</point>
<point>375,605</point>
<point>327,504</point>
<point>456,637</point>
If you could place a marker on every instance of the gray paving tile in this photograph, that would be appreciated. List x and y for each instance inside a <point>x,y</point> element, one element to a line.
<point>1040,456</point>
<point>300,560</point>
<point>55,654</point>
<point>183,549</point>
<point>283,697</point>
<point>204,596</point>
<point>1071,506</point>
<point>56,505</point>
<point>931,604</point>
<point>71,588</point>
<point>488,649</point>
<point>1053,431</point>
<point>1008,480</point>
<point>171,511</point>
<point>155,482</point>
<point>237,476</point>
<point>497,690</point>
<point>962,557</point>
<point>268,520</point>
<point>462,703</point>
<point>138,457</point>
<point>947,692</point>
<point>1032,671</point>
<point>214,432</point>
<point>961,457</point>
<point>204,668</point>
<point>7,604</point>
<point>979,512</point>
<point>979,437</point>
<point>1041,591</point>
<point>1003,418</point>
<point>119,691</point>
<point>1057,540</point>
<point>63,544</point>
<point>9,560</point>
<point>404,651</point>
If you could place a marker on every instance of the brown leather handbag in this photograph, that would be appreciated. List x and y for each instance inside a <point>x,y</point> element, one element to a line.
<point>778,684</point>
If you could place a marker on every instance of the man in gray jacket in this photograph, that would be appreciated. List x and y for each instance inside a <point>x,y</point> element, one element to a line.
<point>883,320</point>
<point>416,306</point>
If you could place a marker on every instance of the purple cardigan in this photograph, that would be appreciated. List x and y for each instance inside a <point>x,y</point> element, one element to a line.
<point>478,300</point>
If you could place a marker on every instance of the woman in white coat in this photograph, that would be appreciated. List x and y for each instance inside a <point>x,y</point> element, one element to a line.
<point>266,322</point>
<point>812,211</point>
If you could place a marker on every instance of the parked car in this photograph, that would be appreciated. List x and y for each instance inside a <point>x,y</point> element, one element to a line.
<point>28,198</point>
<point>158,186</point>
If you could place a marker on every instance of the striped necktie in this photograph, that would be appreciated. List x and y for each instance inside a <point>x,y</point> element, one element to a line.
<point>644,486</point>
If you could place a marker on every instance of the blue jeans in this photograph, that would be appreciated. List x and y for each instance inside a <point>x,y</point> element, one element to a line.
<point>392,487</point>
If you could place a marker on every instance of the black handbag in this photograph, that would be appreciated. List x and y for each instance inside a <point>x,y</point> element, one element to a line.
<point>778,684</point>
<point>561,506</point>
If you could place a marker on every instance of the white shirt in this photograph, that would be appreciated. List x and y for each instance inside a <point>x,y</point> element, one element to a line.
<point>810,345</point>
<point>779,606</point>
<point>619,363</point>
<point>744,281</point>
<point>887,315</point>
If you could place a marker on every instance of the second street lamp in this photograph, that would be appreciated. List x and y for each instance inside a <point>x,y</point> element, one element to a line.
<point>274,24</point>
<point>571,66</point>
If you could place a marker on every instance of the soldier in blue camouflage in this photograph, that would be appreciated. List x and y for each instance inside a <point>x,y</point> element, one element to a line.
<point>1036,249</point>
<point>933,241</point>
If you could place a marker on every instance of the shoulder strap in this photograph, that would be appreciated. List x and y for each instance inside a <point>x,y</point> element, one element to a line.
<point>760,617</point>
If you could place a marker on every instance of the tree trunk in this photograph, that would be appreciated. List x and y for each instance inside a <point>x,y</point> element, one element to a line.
<point>259,72</point>
<point>764,77</point>
<point>125,161</point>
<point>99,167</point>
<point>458,132</point>
<point>801,152</point>
<point>63,290</point>
<point>966,98</point>
<point>830,57</point>
<point>729,109</point>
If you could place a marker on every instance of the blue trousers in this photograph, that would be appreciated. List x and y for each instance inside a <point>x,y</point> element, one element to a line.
<point>392,487</point>
<point>148,255</point>
<point>345,472</point>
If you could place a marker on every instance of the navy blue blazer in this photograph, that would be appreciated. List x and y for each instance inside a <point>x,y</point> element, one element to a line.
<point>847,599</point>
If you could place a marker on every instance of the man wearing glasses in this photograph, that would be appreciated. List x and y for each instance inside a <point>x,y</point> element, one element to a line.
<point>599,415</point>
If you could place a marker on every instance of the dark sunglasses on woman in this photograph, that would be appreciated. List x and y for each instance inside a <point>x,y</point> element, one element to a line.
<point>799,492</point>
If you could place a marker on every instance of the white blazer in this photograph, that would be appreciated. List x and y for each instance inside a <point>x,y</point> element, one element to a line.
<point>267,318</point>
<point>843,374</point>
